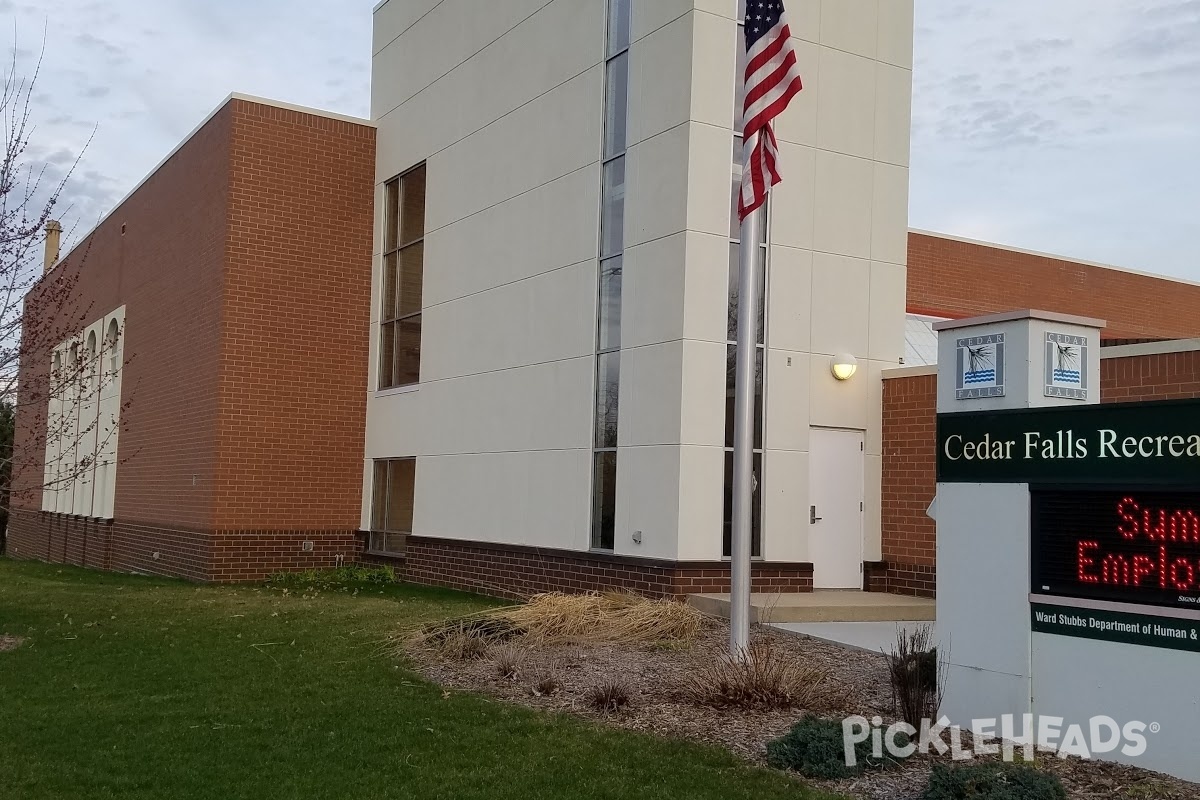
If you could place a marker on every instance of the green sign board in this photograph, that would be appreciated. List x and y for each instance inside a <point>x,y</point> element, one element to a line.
<point>1117,626</point>
<point>1126,444</point>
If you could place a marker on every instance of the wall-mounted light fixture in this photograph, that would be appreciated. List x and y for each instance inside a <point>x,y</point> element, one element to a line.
<point>843,366</point>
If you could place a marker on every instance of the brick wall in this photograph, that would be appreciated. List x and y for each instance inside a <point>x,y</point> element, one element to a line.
<point>159,253</point>
<point>909,457</point>
<point>244,263</point>
<point>956,279</point>
<point>297,305</point>
<point>909,430</point>
<point>513,571</point>
<point>1159,376</point>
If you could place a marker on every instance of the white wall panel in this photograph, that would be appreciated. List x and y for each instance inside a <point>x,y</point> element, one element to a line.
<point>702,418</point>
<point>471,176</point>
<point>706,310</point>
<point>542,407</point>
<point>547,228</point>
<point>648,501</point>
<point>656,187</point>
<point>887,308</point>
<point>660,80</point>
<point>889,214</point>
<point>844,195</point>
<point>789,307</point>
<point>788,377</point>
<point>533,498</point>
<point>651,392</point>
<point>453,32</point>
<point>896,32</point>
<point>701,501</point>
<point>541,319</point>
<point>785,510</point>
<point>851,25</point>
<point>893,114</point>
<point>653,291</point>
<point>794,202</point>
<point>840,305</point>
<point>846,104</point>
<point>709,179</point>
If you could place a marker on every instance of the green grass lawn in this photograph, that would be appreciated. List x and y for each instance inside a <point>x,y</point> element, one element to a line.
<point>143,688</point>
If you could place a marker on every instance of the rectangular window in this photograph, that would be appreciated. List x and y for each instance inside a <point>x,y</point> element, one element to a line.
<point>392,504</point>
<point>612,246</point>
<point>403,273</point>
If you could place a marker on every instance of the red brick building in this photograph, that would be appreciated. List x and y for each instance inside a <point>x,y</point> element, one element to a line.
<point>243,268</point>
<point>954,278</point>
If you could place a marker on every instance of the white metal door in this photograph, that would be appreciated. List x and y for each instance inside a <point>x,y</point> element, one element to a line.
<point>835,524</point>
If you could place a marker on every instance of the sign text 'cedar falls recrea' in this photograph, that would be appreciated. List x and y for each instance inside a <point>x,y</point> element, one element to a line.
<point>1121,443</point>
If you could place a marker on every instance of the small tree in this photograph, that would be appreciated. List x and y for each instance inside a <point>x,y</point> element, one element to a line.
<point>41,312</point>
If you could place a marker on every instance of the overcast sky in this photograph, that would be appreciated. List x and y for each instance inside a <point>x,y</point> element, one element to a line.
<point>1069,126</point>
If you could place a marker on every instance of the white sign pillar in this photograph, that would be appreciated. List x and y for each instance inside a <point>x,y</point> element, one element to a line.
<point>1018,360</point>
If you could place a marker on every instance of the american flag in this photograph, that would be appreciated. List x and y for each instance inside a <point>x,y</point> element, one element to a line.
<point>772,80</point>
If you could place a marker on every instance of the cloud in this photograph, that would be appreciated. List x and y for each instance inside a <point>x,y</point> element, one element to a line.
<point>141,82</point>
<point>1068,126</point>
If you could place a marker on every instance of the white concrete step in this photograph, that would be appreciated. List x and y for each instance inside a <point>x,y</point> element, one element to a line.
<point>823,606</point>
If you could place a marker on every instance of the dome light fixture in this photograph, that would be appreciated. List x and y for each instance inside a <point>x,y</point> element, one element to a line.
<point>843,366</point>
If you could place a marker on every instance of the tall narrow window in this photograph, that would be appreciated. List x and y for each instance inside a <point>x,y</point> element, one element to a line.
<point>612,246</point>
<point>110,347</point>
<point>735,245</point>
<point>403,267</point>
<point>92,359</point>
<point>392,504</point>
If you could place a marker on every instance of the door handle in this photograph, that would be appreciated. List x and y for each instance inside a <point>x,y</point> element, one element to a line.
<point>813,519</point>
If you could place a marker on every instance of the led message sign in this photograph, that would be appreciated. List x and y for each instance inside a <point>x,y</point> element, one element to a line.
<point>1119,545</point>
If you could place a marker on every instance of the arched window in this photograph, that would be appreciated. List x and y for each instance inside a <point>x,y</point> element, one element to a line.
<point>73,361</point>
<point>90,368</point>
<point>110,347</point>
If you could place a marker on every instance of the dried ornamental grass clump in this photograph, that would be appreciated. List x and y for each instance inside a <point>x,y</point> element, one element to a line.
<point>609,697</point>
<point>765,677</point>
<point>555,618</point>
<point>509,658</point>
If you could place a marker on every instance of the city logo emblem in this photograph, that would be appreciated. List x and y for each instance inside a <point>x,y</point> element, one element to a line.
<point>1066,366</point>
<point>980,370</point>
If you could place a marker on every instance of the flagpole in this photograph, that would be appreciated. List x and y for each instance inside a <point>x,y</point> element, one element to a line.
<point>743,435</point>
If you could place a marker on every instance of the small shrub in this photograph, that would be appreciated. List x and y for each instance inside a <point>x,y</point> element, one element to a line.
<point>608,697</point>
<point>917,675</point>
<point>509,660</point>
<point>992,782</point>
<point>340,578</point>
<point>765,678</point>
<point>489,629</point>
<point>547,685</point>
<point>461,645</point>
<point>814,748</point>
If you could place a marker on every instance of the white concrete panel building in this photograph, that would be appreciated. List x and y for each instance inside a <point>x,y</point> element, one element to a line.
<point>551,377</point>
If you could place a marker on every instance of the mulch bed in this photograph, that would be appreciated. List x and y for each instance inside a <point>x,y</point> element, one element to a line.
<point>857,683</point>
<point>10,643</point>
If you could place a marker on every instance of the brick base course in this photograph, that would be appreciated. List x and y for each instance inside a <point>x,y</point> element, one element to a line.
<point>918,580</point>
<point>223,556</point>
<point>514,571</point>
